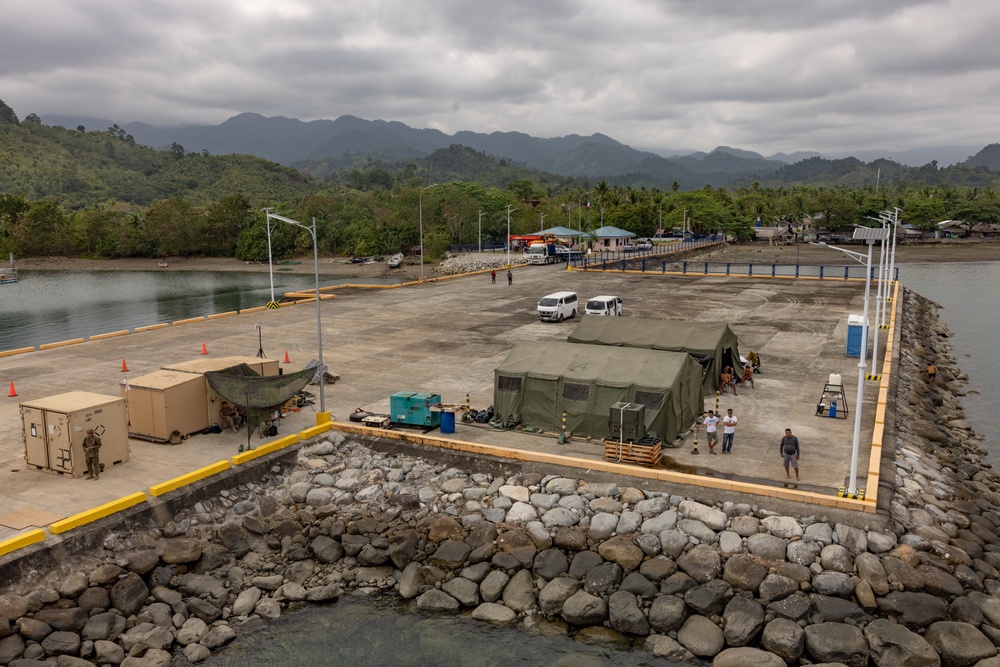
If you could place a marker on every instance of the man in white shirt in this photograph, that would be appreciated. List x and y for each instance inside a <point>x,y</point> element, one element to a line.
<point>711,432</point>
<point>728,431</point>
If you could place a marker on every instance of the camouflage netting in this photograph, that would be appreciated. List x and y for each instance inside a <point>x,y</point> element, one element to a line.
<point>241,385</point>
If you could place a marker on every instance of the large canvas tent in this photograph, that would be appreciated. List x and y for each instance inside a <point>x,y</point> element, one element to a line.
<point>712,344</point>
<point>539,380</point>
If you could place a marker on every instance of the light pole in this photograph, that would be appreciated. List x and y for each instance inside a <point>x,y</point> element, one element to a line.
<point>270,267</point>
<point>579,208</point>
<point>509,211</point>
<point>870,236</point>
<point>420,199</point>
<point>541,222</point>
<point>480,232</point>
<point>322,416</point>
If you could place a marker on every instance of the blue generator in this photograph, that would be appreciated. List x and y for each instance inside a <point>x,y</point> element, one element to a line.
<point>414,408</point>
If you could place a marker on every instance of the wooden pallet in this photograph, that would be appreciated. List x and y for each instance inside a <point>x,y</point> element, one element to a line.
<point>629,452</point>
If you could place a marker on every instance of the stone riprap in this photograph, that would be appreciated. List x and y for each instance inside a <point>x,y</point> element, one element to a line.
<point>472,262</point>
<point>734,583</point>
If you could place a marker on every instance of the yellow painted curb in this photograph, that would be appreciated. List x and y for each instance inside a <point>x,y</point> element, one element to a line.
<point>20,350</point>
<point>21,541</point>
<point>313,431</point>
<point>113,334</point>
<point>99,512</point>
<point>323,418</point>
<point>286,304</point>
<point>62,343</point>
<point>189,320</point>
<point>152,327</point>
<point>189,478</point>
<point>218,315</point>
<point>255,309</point>
<point>281,443</point>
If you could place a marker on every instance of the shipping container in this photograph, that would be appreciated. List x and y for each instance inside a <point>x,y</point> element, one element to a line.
<point>54,429</point>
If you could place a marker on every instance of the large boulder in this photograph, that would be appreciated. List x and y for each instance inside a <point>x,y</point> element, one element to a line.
<point>959,644</point>
<point>625,614</point>
<point>837,642</point>
<point>784,638</point>
<point>582,608</point>
<point>702,563</point>
<point>747,657</point>
<point>130,593</point>
<point>893,644</point>
<point>744,618</point>
<point>701,636</point>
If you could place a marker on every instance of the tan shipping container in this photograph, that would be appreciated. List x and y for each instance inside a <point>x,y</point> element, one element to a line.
<point>202,365</point>
<point>54,429</point>
<point>162,402</point>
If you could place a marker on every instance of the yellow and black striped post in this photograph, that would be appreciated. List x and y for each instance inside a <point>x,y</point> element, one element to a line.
<point>694,450</point>
<point>859,495</point>
<point>872,376</point>
<point>564,424</point>
<point>468,405</point>
<point>717,397</point>
<point>273,305</point>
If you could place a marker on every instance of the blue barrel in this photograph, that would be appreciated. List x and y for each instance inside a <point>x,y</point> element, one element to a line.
<point>833,413</point>
<point>447,422</point>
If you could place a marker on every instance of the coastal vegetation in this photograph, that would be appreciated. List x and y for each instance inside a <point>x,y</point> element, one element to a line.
<point>98,194</point>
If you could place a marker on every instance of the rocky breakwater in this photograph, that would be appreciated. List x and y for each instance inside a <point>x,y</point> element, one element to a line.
<point>473,262</point>
<point>735,583</point>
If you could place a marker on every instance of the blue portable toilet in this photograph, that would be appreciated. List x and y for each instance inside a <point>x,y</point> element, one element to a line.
<point>855,333</point>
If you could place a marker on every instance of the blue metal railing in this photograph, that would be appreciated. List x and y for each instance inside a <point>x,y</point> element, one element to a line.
<point>747,269</point>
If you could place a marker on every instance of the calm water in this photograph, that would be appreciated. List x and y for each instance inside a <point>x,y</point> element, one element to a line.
<point>50,306</point>
<point>363,633</point>
<point>970,304</point>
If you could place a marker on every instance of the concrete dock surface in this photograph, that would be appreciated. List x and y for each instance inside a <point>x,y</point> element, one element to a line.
<point>446,337</point>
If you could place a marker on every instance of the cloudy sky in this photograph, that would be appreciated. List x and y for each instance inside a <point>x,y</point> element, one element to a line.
<point>769,76</point>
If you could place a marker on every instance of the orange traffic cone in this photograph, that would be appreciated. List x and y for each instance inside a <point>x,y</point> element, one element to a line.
<point>124,367</point>
<point>286,358</point>
<point>204,349</point>
<point>12,393</point>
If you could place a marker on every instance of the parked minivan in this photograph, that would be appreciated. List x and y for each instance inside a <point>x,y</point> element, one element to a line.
<point>604,305</point>
<point>557,307</point>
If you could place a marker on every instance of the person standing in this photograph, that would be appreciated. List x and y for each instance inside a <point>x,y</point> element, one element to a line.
<point>931,373</point>
<point>790,452</point>
<point>92,454</point>
<point>728,431</point>
<point>711,431</point>
<point>510,277</point>
<point>493,277</point>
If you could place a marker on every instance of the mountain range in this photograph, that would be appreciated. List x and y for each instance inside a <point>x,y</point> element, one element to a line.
<point>322,146</point>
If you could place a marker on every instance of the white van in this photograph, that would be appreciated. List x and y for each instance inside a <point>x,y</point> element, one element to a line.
<point>604,305</point>
<point>557,307</point>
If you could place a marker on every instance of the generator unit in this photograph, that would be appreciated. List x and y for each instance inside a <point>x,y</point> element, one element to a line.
<point>627,422</point>
<point>414,409</point>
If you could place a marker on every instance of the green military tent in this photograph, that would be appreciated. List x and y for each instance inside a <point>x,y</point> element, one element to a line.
<point>539,380</point>
<point>712,344</point>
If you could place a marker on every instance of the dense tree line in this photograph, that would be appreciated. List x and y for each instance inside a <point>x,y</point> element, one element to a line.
<point>98,194</point>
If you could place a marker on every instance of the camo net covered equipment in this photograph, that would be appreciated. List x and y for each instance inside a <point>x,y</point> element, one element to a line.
<point>261,396</point>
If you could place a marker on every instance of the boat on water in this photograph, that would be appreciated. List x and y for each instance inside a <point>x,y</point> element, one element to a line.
<point>395,261</point>
<point>8,275</point>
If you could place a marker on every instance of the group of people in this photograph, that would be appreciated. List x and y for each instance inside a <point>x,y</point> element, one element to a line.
<point>788,447</point>
<point>232,417</point>
<point>493,277</point>
<point>729,379</point>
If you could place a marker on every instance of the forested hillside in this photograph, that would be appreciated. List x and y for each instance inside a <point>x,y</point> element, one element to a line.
<point>96,193</point>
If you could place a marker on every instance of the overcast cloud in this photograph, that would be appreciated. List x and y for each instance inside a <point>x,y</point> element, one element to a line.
<point>782,75</point>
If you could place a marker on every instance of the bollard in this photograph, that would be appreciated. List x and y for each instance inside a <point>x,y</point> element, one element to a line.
<point>563,427</point>
<point>717,395</point>
<point>694,450</point>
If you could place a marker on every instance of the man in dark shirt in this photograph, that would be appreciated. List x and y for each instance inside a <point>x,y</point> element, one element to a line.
<point>790,452</point>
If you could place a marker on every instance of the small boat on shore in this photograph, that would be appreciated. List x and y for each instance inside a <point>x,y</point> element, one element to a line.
<point>8,275</point>
<point>395,261</point>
